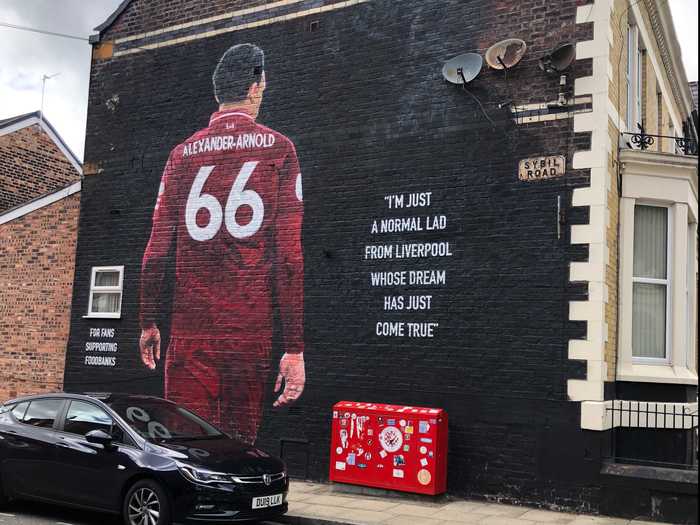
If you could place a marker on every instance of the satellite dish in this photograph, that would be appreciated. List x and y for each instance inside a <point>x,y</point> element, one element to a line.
<point>506,53</point>
<point>559,59</point>
<point>462,68</point>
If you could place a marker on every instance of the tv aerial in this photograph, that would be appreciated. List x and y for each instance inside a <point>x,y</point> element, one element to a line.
<point>44,78</point>
<point>506,53</point>
<point>556,62</point>
<point>461,70</point>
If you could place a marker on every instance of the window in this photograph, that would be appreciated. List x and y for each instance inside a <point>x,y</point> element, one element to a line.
<point>19,410</point>
<point>119,436</point>
<point>42,412</point>
<point>632,84</point>
<point>83,417</point>
<point>659,118</point>
<point>639,85</point>
<point>106,291</point>
<point>675,145</point>
<point>157,420</point>
<point>691,288</point>
<point>635,80</point>
<point>658,264</point>
<point>650,287</point>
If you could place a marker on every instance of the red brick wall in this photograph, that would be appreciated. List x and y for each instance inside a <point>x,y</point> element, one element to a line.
<point>31,165</point>
<point>37,262</point>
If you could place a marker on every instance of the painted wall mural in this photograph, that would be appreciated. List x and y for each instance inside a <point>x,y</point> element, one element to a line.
<point>411,266</point>
<point>229,212</point>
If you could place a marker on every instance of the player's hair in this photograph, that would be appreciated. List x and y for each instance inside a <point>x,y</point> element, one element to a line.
<point>239,68</point>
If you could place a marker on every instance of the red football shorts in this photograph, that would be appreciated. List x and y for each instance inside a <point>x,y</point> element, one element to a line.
<point>221,380</point>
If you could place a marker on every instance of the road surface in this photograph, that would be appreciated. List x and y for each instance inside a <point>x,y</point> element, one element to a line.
<point>30,513</point>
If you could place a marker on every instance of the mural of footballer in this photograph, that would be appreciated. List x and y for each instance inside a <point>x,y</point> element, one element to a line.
<point>229,214</point>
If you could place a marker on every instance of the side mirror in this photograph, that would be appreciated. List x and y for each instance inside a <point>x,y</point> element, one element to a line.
<point>99,437</point>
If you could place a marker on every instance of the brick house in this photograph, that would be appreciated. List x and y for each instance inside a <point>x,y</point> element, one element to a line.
<point>40,182</point>
<point>523,254</point>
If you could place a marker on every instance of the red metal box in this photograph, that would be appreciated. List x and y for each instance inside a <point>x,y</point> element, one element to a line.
<point>390,447</point>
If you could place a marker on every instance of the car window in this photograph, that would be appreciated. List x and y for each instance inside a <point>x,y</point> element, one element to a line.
<point>19,410</point>
<point>156,419</point>
<point>4,409</point>
<point>42,412</point>
<point>83,417</point>
<point>122,437</point>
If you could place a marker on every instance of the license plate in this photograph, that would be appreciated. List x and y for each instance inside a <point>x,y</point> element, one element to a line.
<point>267,501</point>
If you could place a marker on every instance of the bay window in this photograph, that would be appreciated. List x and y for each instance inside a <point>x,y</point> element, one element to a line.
<point>658,268</point>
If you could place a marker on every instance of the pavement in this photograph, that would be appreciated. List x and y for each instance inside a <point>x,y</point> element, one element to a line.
<point>324,504</point>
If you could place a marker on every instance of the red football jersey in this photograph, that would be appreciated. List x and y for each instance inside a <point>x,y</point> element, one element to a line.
<point>230,208</point>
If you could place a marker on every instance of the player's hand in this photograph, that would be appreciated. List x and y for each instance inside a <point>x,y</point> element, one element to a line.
<point>294,375</point>
<point>149,344</point>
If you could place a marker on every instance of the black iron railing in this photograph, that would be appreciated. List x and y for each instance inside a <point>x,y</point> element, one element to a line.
<point>650,414</point>
<point>643,140</point>
<point>634,422</point>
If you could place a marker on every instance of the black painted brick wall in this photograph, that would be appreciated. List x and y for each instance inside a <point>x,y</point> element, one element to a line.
<point>363,99</point>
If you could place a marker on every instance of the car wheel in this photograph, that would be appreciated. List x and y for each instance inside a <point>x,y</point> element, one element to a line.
<point>146,503</point>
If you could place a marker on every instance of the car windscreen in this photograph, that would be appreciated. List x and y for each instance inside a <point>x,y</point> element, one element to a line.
<point>157,420</point>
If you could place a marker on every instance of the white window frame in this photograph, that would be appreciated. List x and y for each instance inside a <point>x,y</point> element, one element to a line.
<point>639,83</point>
<point>633,78</point>
<point>675,147</point>
<point>692,292</point>
<point>667,282</point>
<point>106,289</point>
<point>660,179</point>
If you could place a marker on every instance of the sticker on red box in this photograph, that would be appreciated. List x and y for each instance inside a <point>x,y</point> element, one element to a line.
<point>424,477</point>
<point>391,439</point>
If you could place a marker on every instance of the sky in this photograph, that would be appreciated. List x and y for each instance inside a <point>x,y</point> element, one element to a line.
<point>26,56</point>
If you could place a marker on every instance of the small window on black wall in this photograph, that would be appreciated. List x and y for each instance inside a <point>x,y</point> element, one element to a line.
<point>106,285</point>
<point>85,417</point>
<point>42,412</point>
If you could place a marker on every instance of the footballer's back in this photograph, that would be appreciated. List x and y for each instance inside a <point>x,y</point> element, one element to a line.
<point>229,178</point>
<point>234,187</point>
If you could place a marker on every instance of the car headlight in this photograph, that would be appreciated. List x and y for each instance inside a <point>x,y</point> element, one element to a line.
<point>204,476</point>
